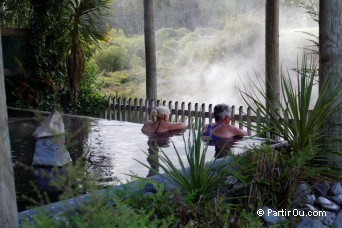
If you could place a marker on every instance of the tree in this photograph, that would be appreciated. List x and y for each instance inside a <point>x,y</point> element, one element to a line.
<point>86,26</point>
<point>150,51</point>
<point>272,52</point>
<point>8,203</point>
<point>330,44</point>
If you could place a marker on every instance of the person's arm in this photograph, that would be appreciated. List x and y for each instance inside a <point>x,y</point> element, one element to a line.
<point>176,126</point>
<point>204,128</point>
<point>239,132</point>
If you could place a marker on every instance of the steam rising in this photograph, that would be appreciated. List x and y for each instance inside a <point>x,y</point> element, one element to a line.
<point>219,81</point>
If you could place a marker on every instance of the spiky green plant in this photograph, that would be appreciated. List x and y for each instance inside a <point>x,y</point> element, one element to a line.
<point>291,118</point>
<point>271,174</point>
<point>196,178</point>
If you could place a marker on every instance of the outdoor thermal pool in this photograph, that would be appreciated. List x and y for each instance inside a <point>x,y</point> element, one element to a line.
<point>108,149</point>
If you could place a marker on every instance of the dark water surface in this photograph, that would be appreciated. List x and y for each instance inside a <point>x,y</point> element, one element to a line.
<point>106,148</point>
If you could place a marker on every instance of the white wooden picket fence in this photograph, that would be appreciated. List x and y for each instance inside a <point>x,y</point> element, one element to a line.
<point>137,111</point>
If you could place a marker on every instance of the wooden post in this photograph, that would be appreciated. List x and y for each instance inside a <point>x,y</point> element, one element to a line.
<point>8,203</point>
<point>258,121</point>
<point>147,114</point>
<point>141,111</point>
<point>330,66</point>
<point>124,112</point>
<point>196,115</point>
<point>241,118</point>
<point>110,103</point>
<point>135,112</point>
<point>150,51</point>
<point>210,113</point>
<point>232,118</point>
<point>115,115</point>
<point>170,107</point>
<point>129,111</point>
<point>189,116</point>
<point>272,79</point>
<point>183,111</point>
<point>176,111</point>
<point>249,122</point>
<point>119,109</point>
<point>203,114</point>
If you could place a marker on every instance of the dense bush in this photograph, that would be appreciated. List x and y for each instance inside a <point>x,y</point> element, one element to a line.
<point>111,59</point>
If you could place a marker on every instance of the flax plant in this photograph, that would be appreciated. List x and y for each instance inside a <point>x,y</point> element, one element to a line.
<point>273,175</point>
<point>196,178</point>
<point>291,118</point>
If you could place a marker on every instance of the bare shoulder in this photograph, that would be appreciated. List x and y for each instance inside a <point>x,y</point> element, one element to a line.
<point>146,127</point>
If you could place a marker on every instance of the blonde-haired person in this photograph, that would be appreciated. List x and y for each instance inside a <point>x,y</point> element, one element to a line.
<point>159,121</point>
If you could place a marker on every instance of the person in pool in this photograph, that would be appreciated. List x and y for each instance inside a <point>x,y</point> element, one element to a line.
<point>159,122</point>
<point>221,129</point>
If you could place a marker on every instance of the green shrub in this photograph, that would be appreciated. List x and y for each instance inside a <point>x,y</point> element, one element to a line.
<point>112,58</point>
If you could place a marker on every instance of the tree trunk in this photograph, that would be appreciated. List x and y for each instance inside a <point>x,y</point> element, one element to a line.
<point>8,203</point>
<point>272,52</point>
<point>330,51</point>
<point>150,51</point>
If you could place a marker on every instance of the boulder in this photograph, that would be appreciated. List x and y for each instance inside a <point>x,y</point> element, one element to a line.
<point>308,222</point>
<point>321,189</point>
<point>328,204</point>
<point>338,220</point>
<point>51,152</point>
<point>336,189</point>
<point>53,125</point>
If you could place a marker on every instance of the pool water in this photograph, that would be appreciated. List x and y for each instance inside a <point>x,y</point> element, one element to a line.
<point>107,149</point>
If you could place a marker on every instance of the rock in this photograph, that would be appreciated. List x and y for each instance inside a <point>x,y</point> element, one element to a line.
<point>238,186</point>
<point>53,125</point>
<point>336,189</point>
<point>44,176</point>
<point>308,222</point>
<point>337,199</point>
<point>338,220</point>
<point>230,180</point>
<point>301,192</point>
<point>310,207</point>
<point>310,199</point>
<point>149,188</point>
<point>321,189</point>
<point>328,204</point>
<point>329,218</point>
<point>51,152</point>
<point>270,216</point>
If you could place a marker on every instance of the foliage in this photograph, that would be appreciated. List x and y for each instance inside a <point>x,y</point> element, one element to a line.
<point>292,119</point>
<point>114,207</point>
<point>15,14</point>
<point>112,59</point>
<point>84,26</point>
<point>196,178</point>
<point>272,175</point>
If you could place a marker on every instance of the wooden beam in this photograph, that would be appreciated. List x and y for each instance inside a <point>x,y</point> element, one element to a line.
<point>8,203</point>
<point>14,32</point>
<point>12,72</point>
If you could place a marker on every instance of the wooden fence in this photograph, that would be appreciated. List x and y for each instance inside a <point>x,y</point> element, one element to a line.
<point>137,111</point>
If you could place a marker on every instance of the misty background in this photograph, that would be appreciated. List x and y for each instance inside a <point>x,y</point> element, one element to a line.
<point>205,49</point>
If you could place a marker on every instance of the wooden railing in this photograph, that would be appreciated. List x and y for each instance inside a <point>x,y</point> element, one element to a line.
<point>137,111</point>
